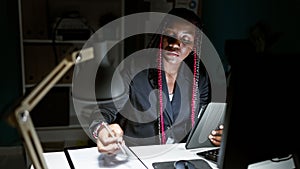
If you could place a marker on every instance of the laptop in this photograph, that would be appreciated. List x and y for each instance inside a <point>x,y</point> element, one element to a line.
<point>209,119</point>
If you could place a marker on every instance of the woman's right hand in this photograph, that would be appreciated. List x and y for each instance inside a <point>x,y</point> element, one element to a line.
<point>108,144</point>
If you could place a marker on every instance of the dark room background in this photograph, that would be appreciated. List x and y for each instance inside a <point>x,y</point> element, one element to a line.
<point>223,21</point>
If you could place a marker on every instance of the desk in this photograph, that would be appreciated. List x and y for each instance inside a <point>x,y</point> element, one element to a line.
<point>56,160</point>
<point>167,152</point>
<point>175,152</point>
<point>91,159</point>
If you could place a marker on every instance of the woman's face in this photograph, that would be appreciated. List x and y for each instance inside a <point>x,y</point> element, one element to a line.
<point>179,41</point>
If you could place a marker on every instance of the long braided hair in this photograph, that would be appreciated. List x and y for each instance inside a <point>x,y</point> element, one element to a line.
<point>193,60</point>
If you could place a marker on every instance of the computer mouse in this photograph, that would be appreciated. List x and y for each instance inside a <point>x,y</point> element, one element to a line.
<point>184,164</point>
<point>191,164</point>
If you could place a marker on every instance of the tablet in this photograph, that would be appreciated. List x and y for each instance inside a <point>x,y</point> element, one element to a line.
<point>208,120</point>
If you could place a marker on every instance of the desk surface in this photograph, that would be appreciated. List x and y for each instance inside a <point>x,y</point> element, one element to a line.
<point>90,158</point>
<point>167,152</point>
<point>55,160</point>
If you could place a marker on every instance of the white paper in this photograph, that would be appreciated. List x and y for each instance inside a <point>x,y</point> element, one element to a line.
<point>55,160</point>
<point>90,158</point>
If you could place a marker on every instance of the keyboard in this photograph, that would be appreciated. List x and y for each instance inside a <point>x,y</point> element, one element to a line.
<point>211,155</point>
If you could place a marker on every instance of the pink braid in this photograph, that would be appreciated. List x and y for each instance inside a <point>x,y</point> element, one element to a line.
<point>161,122</point>
<point>194,90</point>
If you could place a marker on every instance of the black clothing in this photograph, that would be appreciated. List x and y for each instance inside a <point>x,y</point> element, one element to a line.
<point>138,111</point>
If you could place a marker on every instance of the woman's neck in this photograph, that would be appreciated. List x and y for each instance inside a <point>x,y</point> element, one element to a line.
<point>171,71</point>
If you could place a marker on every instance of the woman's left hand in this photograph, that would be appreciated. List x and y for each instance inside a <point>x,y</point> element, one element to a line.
<point>216,136</point>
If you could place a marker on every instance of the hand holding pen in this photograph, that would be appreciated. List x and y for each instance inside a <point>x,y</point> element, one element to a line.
<point>110,139</point>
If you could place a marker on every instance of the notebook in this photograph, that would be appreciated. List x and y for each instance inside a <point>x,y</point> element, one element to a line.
<point>209,119</point>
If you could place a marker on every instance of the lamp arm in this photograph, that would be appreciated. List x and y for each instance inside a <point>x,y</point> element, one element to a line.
<point>21,117</point>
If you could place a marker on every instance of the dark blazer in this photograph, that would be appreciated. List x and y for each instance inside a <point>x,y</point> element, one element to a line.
<point>138,111</point>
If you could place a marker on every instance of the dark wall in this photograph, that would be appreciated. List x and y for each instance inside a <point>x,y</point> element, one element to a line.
<point>10,67</point>
<point>233,19</point>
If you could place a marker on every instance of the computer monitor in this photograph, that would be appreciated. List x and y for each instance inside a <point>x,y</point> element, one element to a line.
<point>261,121</point>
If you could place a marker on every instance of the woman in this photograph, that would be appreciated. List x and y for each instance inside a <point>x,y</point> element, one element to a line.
<point>163,100</point>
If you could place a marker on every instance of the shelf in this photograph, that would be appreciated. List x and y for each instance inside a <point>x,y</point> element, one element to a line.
<point>61,128</point>
<point>59,137</point>
<point>48,41</point>
<point>57,85</point>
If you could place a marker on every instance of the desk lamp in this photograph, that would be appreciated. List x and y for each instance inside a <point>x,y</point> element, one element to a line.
<point>20,118</point>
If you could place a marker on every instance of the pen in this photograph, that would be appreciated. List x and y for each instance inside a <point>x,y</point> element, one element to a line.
<point>112,135</point>
<point>201,111</point>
